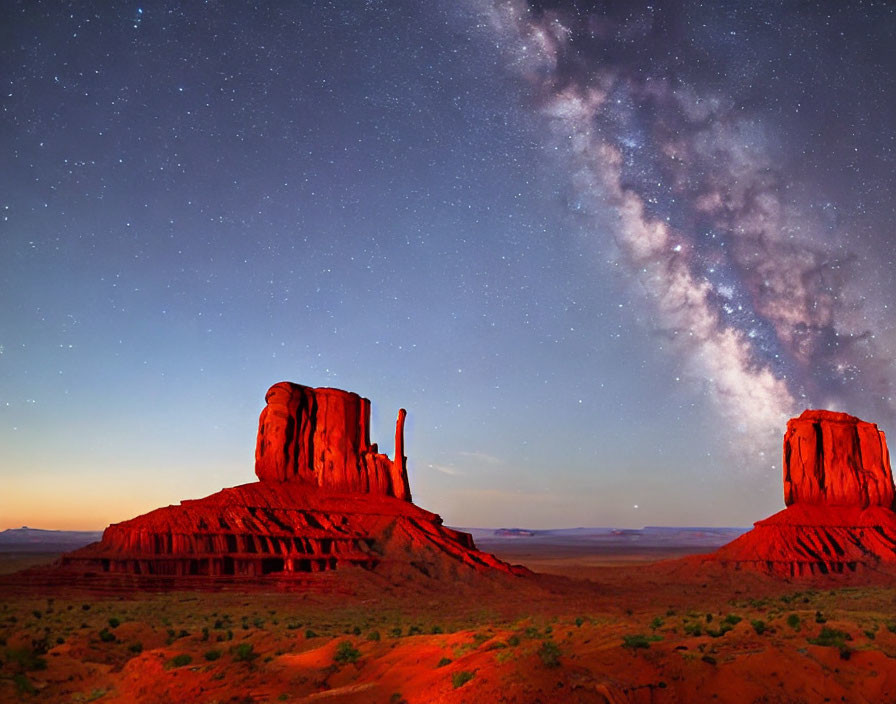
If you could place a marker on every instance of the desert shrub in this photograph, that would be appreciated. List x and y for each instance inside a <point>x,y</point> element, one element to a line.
<point>732,619</point>
<point>531,632</point>
<point>293,626</point>
<point>244,652</point>
<point>356,631</point>
<point>37,614</point>
<point>656,623</point>
<point>435,630</point>
<point>692,628</point>
<point>136,647</point>
<point>212,655</point>
<point>23,684</point>
<point>549,654</point>
<point>443,662</point>
<point>720,631</point>
<point>180,660</point>
<point>114,622</point>
<point>513,641</point>
<point>709,618</point>
<point>480,638</point>
<point>310,634</point>
<point>459,679</point>
<point>891,626</point>
<point>635,641</point>
<point>579,621</point>
<point>758,626</point>
<point>833,638</point>
<point>396,632</point>
<point>346,652</point>
<point>107,636</point>
<point>819,617</point>
<point>794,622</point>
<point>373,635</point>
<point>26,659</point>
<point>415,630</point>
<point>205,633</point>
<point>871,634</point>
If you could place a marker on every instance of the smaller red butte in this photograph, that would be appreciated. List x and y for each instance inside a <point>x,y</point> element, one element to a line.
<point>836,459</point>
<point>838,489</point>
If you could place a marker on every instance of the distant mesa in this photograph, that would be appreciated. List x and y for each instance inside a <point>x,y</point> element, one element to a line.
<point>326,499</point>
<point>839,494</point>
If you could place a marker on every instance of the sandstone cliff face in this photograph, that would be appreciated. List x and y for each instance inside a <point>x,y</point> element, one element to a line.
<point>325,499</point>
<point>838,489</point>
<point>836,459</point>
<point>321,437</point>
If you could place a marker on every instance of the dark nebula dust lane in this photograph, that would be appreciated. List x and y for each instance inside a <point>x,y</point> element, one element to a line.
<point>698,140</point>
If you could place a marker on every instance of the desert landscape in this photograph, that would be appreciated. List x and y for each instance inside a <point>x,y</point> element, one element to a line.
<point>457,351</point>
<point>335,587</point>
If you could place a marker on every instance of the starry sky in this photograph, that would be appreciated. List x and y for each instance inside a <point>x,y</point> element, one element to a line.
<point>601,251</point>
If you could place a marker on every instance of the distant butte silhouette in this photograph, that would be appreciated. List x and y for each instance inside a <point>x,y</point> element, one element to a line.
<point>838,490</point>
<point>326,499</point>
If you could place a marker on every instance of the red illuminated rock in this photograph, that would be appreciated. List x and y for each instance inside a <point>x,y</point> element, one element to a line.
<point>838,489</point>
<point>325,499</point>
<point>321,437</point>
<point>836,459</point>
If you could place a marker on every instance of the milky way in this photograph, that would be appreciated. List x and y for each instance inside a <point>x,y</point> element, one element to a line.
<point>671,164</point>
<point>599,250</point>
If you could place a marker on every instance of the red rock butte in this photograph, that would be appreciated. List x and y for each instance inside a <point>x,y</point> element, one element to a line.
<point>325,499</point>
<point>839,498</point>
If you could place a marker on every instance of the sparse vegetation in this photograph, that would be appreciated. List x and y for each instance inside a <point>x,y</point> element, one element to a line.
<point>833,638</point>
<point>459,679</point>
<point>212,655</point>
<point>444,661</point>
<point>549,653</point>
<point>180,660</point>
<point>793,621</point>
<point>638,640</point>
<point>346,652</point>
<point>244,652</point>
<point>758,626</point>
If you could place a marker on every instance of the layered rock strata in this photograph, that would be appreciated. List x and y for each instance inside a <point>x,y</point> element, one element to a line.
<point>325,499</point>
<point>839,494</point>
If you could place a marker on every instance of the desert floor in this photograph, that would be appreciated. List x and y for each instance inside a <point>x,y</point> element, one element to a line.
<point>595,626</point>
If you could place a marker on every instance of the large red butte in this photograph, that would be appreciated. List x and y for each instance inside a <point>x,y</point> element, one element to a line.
<point>326,498</point>
<point>838,489</point>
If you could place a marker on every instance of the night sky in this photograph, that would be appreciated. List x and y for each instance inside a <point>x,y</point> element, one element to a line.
<point>600,251</point>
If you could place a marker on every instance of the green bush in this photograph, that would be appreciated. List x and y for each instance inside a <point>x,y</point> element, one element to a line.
<point>692,628</point>
<point>25,659</point>
<point>443,662</point>
<point>107,636</point>
<point>794,622</point>
<point>833,638</point>
<point>114,622</point>
<point>212,655</point>
<point>635,641</point>
<point>244,652</point>
<point>549,654</point>
<point>459,679</point>
<point>758,626</point>
<point>732,619</point>
<point>23,684</point>
<point>310,634</point>
<point>373,635</point>
<point>180,660</point>
<point>136,647</point>
<point>346,652</point>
